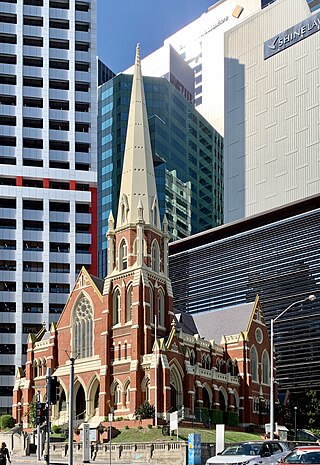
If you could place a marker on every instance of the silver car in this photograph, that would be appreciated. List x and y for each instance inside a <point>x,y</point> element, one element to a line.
<point>251,453</point>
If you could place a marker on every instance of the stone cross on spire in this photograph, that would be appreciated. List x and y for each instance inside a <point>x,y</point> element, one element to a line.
<point>138,185</point>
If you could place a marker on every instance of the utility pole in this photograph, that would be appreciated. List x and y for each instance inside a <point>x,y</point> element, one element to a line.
<point>155,374</point>
<point>71,394</point>
<point>39,435</point>
<point>47,454</point>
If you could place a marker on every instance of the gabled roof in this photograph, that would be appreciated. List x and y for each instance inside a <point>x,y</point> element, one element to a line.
<point>98,282</point>
<point>225,322</point>
<point>185,322</point>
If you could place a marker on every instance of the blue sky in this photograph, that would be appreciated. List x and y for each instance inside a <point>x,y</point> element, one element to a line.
<point>123,23</point>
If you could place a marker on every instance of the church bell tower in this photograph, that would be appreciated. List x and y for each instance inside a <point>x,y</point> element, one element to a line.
<point>137,289</point>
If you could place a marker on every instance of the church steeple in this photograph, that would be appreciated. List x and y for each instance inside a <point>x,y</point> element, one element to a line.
<point>138,185</point>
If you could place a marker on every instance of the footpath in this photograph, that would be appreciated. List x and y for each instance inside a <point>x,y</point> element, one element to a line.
<point>32,460</point>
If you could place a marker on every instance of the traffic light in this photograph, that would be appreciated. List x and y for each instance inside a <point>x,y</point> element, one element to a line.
<point>54,390</point>
<point>41,413</point>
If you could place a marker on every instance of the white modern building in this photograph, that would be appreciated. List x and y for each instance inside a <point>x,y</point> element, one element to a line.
<point>272,81</point>
<point>48,95</point>
<point>201,44</point>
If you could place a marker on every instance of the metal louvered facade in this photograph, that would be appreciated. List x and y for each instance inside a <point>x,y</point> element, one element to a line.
<point>277,256</point>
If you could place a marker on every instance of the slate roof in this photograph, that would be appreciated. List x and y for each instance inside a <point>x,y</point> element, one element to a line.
<point>185,322</point>
<point>225,322</point>
<point>98,282</point>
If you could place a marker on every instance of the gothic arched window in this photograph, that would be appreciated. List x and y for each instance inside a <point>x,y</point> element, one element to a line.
<point>129,304</point>
<point>151,305</point>
<point>116,301</point>
<point>254,364</point>
<point>128,394</point>
<point>148,391</point>
<point>161,308</point>
<point>155,256</point>
<point>117,394</point>
<point>123,255</point>
<point>83,329</point>
<point>265,368</point>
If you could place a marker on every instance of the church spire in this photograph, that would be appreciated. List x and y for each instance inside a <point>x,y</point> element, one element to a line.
<point>138,185</point>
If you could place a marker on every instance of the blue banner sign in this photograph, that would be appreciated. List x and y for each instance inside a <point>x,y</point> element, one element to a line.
<point>194,449</point>
<point>291,36</point>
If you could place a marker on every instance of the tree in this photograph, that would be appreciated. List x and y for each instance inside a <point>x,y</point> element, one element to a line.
<point>145,410</point>
<point>31,413</point>
<point>312,408</point>
<point>6,422</point>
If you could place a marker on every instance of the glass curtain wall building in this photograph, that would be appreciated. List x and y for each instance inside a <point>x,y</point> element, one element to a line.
<point>187,155</point>
<point>275,255</point>
<point>48,172</point>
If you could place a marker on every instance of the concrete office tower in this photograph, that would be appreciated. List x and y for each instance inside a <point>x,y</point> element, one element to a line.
<point>201,44</point>
<point>167,63</point>
<point>48,172</point>
<point>272,109</point>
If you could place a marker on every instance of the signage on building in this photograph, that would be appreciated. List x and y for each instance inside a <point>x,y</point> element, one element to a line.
<point>215,25</point>
<point>291,36</point>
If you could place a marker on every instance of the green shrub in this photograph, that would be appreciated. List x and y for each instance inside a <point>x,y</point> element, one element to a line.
<point>216,417</point>
<point>205,416</point>
<point>145,410</point>
<point>232,419</point>
<point>140,427</point>
<point>127,427</point>
<point>150,426</point>
<point>7,422</point>
<point>56,429</point>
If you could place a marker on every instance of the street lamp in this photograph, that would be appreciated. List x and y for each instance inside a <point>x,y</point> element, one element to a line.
<point>310,298</point>
<point>295,423</point>
<point>19,413</point>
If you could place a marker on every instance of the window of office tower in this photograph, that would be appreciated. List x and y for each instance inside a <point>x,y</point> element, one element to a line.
<point>313,4</point>
<point>265,3</point>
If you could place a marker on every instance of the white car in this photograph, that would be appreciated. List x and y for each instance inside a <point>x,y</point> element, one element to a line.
<point>251,453</point>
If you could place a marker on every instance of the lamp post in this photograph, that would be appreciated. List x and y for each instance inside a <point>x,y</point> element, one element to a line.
<point>310,298</point>
<point>295,423</point>
<point>19,413</point>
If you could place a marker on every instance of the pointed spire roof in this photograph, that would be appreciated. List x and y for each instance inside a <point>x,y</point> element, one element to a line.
<point>138,185</point>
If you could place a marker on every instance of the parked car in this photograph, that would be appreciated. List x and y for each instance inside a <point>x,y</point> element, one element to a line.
<point>303,435</point>
<point>306,454</point>
<point>251,453</point>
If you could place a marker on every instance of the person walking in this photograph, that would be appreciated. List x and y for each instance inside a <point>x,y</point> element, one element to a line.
<point>4,454</point>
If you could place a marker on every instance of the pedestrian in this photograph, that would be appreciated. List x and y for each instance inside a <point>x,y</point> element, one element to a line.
<point>4,454</point>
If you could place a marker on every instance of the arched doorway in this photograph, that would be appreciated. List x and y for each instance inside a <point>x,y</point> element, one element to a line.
<point>206,398</point>
<point>62,401</point>
<point>80,403</point>
<point>173,398</point>
<point>176,387</point>
<point>222,402</point>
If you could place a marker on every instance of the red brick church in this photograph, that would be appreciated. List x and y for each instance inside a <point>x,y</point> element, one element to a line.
<point>129,344</point>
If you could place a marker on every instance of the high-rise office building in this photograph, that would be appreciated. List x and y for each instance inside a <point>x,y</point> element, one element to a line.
<point>272,109</point>
<point>275,255</point>
<point>187,154</point>
<point>48,166</point>
<point>201,45</point>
